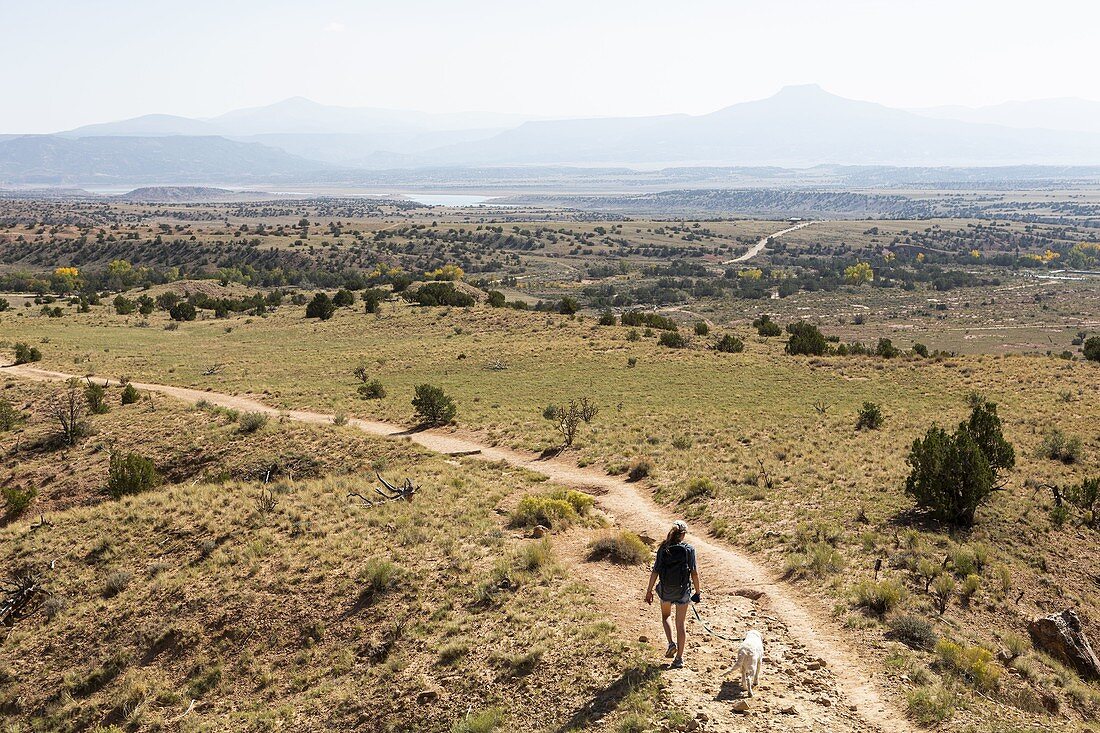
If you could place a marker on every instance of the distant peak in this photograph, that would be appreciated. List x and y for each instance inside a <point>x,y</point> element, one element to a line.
<point>803,90</point>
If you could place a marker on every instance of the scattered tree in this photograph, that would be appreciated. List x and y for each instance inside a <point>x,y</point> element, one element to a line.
<point>730,344</point>
<point>183,311</point>
<point>67,409</point>
<point>320,307</point>
<point>953,474</point>
<point>567,419</point>
<point>805,339</point>
<point>433,406</point>
<point>95,395</point>
<point>25,354</point>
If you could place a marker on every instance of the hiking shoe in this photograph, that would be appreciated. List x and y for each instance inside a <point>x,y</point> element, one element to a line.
<point>671,651</point>
<point>677,663</point>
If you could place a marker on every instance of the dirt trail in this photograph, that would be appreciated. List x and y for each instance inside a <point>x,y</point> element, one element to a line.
<point>759,246</point>
<point>842,695</point>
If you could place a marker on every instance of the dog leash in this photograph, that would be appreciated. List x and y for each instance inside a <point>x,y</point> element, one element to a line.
<point>709,630</point>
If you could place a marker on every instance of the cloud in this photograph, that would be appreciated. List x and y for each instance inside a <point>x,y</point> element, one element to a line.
<point>335,27</point>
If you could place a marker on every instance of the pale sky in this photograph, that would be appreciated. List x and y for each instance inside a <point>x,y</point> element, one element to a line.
<point>65,63</point>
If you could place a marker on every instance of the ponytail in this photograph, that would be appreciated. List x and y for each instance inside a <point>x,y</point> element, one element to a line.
<point>675,535</point>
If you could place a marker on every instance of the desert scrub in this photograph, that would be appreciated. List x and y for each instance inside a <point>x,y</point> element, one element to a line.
<point>870,417</point>
<point>371,389</point>
<point>973,663</point>
<point>484,721</point>
<point>879,597</point>
<point>377,577</point>
<point>930,706</point>
<point>16,500</point>
<point>251,422</point>
<point>624,548</point>
<point>640,469</point>
<point>1057,446</point>
<point>557,510</point>
<point>130,474</point>
<point>913,631</point>
<point>699,488</point>
<point>819,559</point>
<point>729,345</point>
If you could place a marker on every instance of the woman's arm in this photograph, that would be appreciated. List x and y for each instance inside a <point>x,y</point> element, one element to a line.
<point>649,590</point>
<point>695,581</point>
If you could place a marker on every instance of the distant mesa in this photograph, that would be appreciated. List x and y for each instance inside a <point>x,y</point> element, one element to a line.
<point>189,194</point>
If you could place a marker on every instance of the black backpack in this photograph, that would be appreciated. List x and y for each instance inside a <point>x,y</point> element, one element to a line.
<point>673,570</point>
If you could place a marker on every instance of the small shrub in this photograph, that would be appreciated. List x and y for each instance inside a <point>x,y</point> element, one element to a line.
<point>130,474</point>
<point>567,306</point>
<point>870,417</point>
<point>699,488</point>
<point>633,335</point>
<point>682,442</point>
<point>96,396</point>
<point>880,596</point>
<point>1085,496</point>
<point>251,422</point>
<point>920,350</point>
<point>340,419</point>
<point>886,349</point>
<point>371,390</point>
<point>9,416</point>
<point>641,468</point>
<point>930,706</point>
<point>546,511</point>
<point>343,299</point>
<point>607,318</point>
<point>16,500</point>
<point>913,631</point>
<point>25,354</point>
<point>130,394</point>
<point>484,721</point>
<point>729,344</point>
<point>377,577</point>
<point>624,548</point>
<point>701,328</point>
<point>1057,446</point>
<point>116,582</point>
<point>433,407</point>
<point>970,586</point>
<point>974,663</point>
<point>123,305</point>
<point>672,339</point>
<point>943,587</point>
<point>819,559</point>
<point>581,502</point>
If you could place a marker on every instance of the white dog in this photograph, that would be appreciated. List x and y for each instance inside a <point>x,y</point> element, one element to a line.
<point>749,658</point>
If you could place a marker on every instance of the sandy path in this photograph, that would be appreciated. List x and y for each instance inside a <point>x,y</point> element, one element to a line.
<point>848,698</point>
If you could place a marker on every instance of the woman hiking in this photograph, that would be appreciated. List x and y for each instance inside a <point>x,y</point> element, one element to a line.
<point>676,571</point>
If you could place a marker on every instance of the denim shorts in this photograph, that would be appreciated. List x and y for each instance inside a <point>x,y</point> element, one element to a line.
<point>673,598</point>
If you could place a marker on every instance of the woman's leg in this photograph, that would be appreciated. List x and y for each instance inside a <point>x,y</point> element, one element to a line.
<point>666,611</point>
<point>681,629</point>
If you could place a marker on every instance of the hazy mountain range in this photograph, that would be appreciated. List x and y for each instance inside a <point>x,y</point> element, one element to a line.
<point>300,140</point>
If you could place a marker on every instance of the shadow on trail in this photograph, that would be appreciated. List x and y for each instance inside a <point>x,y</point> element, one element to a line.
<point>731,690</point>
<point>608,699</point>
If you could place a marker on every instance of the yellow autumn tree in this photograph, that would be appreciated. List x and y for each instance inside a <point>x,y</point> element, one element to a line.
<point>859,273</point>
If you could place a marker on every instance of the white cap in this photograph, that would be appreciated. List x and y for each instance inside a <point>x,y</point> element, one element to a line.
<point>680,525</point>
